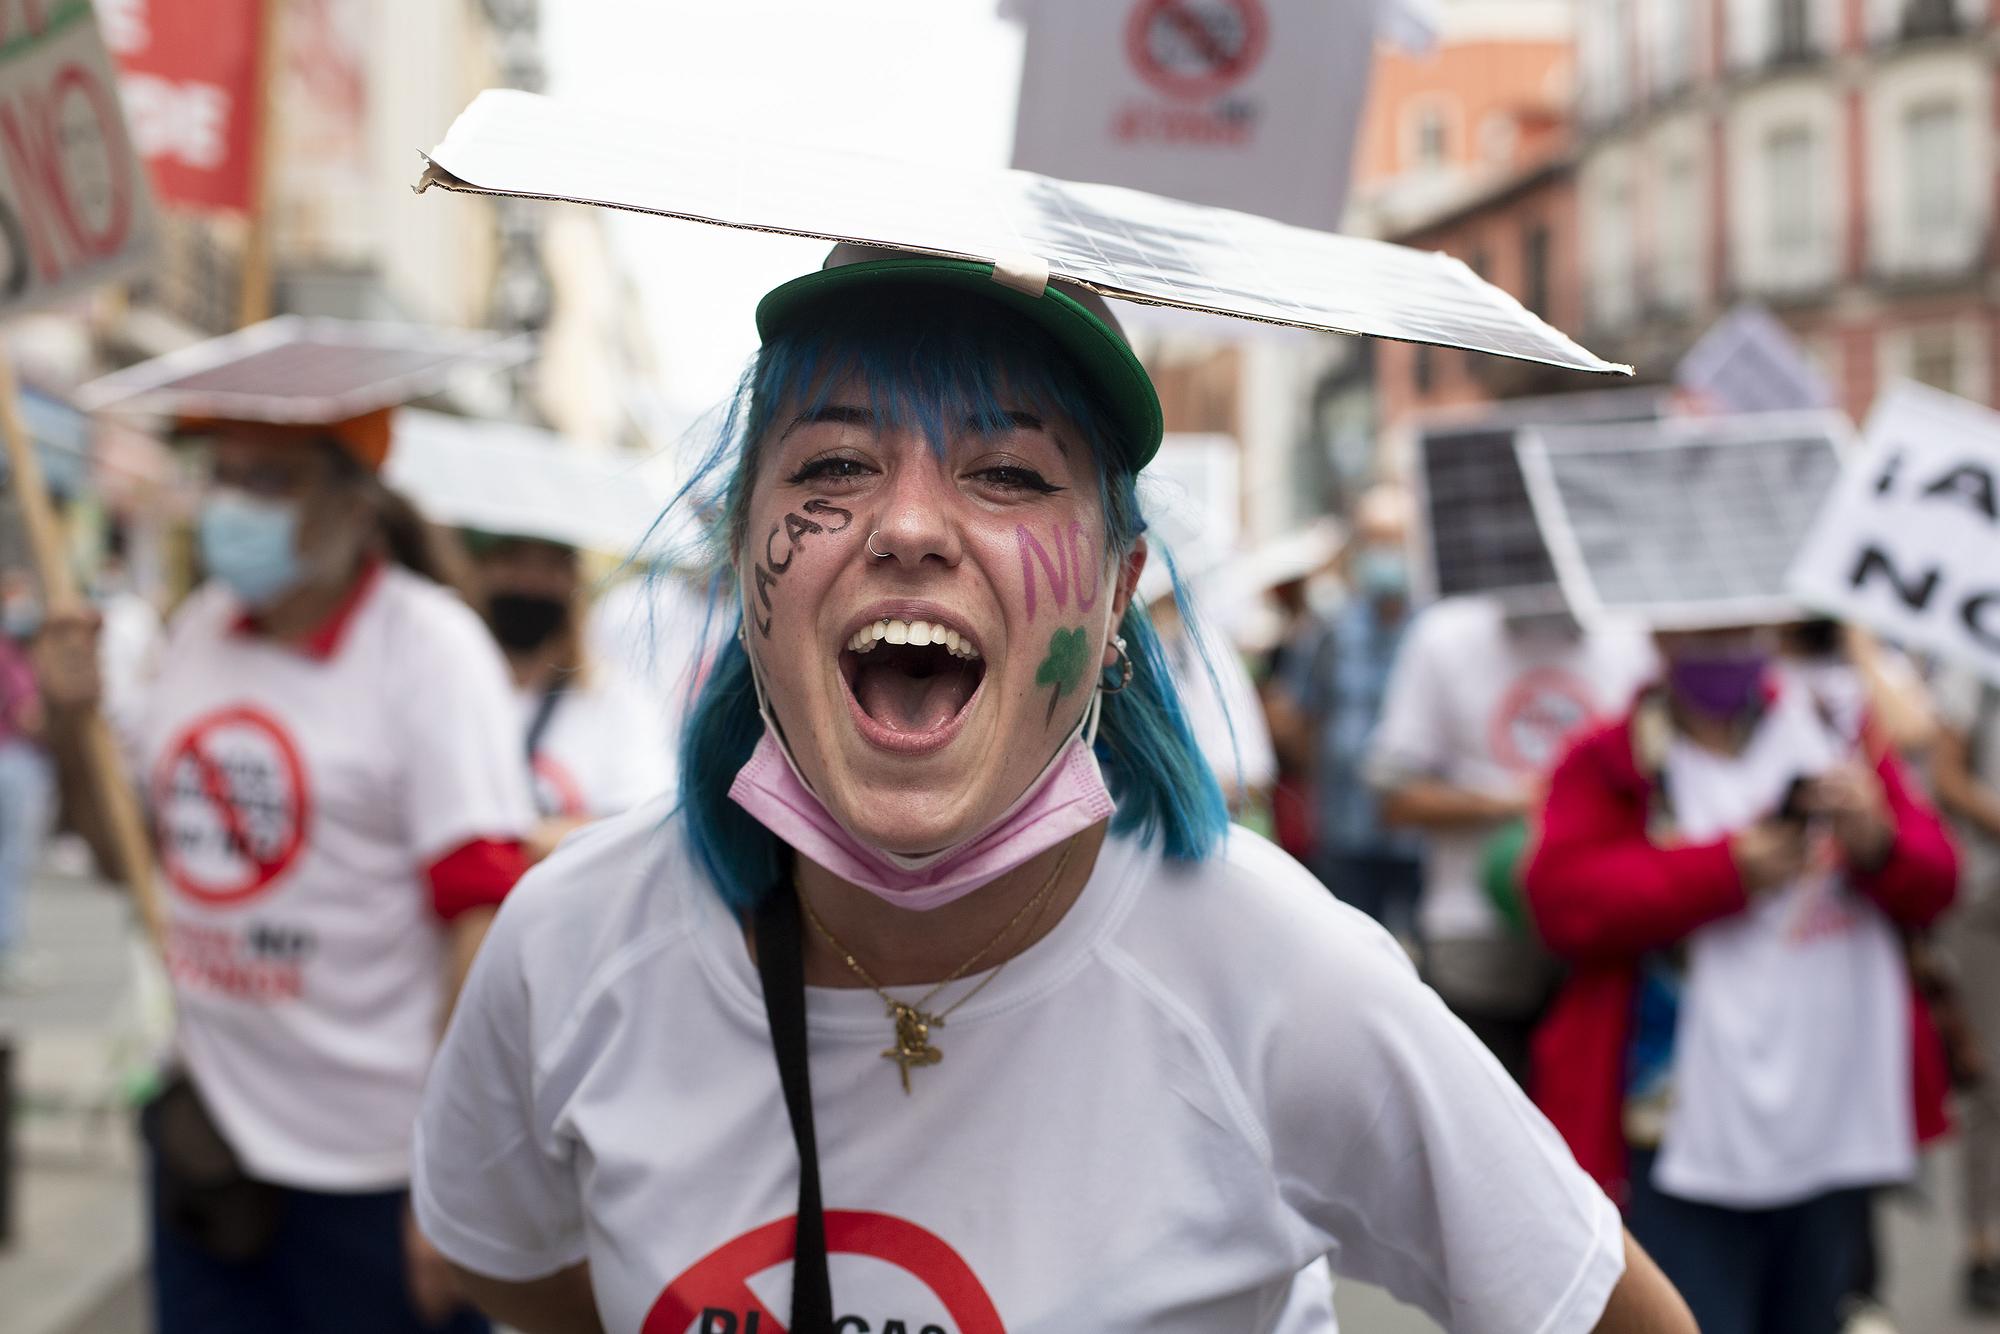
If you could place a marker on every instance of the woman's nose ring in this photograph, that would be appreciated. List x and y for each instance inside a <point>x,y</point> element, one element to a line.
<point>870,544</point>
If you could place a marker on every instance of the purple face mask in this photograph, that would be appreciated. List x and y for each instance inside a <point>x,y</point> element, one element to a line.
<point>1723,686</point>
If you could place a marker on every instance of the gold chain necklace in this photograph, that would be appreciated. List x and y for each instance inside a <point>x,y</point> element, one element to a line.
<point>913,1046</point>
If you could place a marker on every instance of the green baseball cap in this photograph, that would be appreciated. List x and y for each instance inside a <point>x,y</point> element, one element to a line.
<point>1078,319</point>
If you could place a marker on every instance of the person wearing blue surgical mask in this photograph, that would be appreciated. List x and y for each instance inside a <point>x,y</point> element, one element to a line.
<point>1327,700</point>
<point>329,754</point>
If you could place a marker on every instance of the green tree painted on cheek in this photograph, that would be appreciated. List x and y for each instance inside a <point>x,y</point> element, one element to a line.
<point>1064,667</point>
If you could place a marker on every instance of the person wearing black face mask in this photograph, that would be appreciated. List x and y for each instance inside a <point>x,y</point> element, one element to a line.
<point>575,715</point>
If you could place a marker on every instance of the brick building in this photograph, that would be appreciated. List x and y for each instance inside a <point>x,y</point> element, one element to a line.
<point>1833,159</point>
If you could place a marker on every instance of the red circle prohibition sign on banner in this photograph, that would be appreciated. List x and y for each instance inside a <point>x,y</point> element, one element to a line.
<point>229,805</point>
<point>1196,48</point>
<point>722,1277</point>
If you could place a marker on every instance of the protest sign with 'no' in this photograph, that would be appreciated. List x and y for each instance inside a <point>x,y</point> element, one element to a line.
<point>1909,542</point>
<point>74,205</point>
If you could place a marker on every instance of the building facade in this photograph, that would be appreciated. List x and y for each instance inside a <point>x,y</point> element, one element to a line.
<point>1831,159</point>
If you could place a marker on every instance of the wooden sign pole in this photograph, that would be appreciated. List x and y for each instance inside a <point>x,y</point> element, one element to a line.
<point>126,826</point>
<point>253,302</point>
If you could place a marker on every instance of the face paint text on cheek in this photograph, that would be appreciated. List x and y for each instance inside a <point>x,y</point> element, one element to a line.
<point>1064,667</point>
<point>796,527</point>
<point>1064,570</point>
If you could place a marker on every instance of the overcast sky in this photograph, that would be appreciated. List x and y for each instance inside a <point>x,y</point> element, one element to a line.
<point>917,78</point>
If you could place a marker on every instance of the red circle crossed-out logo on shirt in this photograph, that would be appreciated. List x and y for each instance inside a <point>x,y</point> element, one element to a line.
<point>1195,48</point>
<point>229,805</point>
<point>1536,715</point>
<point>714,1295</point>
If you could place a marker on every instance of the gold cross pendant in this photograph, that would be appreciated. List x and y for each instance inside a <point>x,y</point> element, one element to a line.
<point>913,1039</point>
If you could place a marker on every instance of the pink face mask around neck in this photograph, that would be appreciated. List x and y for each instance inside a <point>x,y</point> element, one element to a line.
<point>1065,800</point>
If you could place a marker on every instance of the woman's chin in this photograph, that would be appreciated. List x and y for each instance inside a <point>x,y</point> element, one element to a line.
<point>907,823</point>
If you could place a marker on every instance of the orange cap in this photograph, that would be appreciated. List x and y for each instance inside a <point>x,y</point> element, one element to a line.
<point>365,438</point>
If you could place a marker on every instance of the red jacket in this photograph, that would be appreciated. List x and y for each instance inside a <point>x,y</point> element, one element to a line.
<point>1604,896</point>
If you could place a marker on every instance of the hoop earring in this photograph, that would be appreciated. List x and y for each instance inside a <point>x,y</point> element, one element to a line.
<point>1123,667</point>
<point>870,544</point>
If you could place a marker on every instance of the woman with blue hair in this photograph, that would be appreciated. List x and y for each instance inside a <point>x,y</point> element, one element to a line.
<point>1054,1049</point>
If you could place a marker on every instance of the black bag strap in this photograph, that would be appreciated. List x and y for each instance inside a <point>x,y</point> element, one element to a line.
<point>781,969</point>
<point>545,712</point>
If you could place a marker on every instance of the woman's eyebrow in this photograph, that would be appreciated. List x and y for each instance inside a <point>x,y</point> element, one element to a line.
<point>838,414</point>
<point>1014,419</point>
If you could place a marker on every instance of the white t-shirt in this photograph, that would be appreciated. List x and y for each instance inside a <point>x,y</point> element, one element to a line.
<point>1791,1067</point>
<point>1201,1081</point>
<point>1482,709</point>
<point>599,754</point>
<point>651,627</point>
<point>297,801</point>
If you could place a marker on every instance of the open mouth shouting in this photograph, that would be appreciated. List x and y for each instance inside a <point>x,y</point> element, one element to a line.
<point>912,673</point>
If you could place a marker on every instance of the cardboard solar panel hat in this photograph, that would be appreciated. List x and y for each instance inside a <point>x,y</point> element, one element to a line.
<point>1684,523</point>
<point>313,377</point>
<point>503,479</point>
<point>1477,534</point>
<point>1037,244</point>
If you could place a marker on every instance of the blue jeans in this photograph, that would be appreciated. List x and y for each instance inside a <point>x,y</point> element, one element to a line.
<point>1754,1271</point>
<point>27,806</point>
<point>336,1267</point>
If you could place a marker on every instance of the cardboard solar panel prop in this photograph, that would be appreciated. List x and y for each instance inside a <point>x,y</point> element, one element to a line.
<point>1908,543</point>
<point>295,370</point>
<point>1477,533</point>
<point>1683,524</point>
<point>1119,243</point>
<point>510,480</point>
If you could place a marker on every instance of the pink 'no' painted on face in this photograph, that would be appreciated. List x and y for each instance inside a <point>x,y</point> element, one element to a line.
<point>1073,559</point>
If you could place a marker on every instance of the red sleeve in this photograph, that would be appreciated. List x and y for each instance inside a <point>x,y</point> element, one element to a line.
<point>1599,889</point>
<point>475,875</point>
<point>1920,878</point>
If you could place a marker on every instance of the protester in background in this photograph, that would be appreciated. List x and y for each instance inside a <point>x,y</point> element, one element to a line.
<point>1220,702</point>
<point>1478,706</point>
<point>1325,703</point>
<point>651,627</point>
<point>27,781</point>
<point>1299,629</point>
<point>1965,774</point>
<point>1855,684</point>
<point>1850,676</point>
<point>576,715</point>
<point>333,768</point>
<point>1738,1048</point>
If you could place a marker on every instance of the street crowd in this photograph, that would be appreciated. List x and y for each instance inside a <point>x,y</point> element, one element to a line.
<point>1718,902</point>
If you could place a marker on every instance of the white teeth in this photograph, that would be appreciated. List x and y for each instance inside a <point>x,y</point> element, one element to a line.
<point>914,633</point>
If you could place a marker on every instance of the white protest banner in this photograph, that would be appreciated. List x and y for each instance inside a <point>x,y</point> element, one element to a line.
<point>75,211</point>
<point>74,205</point>
<point>1908,544</point>
<point>1749,362</point>
<point>1246,104</point>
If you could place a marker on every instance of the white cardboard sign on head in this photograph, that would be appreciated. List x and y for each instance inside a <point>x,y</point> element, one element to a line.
<point>1120,243</point>
<point>75,206</point>
<point>1908,544</point>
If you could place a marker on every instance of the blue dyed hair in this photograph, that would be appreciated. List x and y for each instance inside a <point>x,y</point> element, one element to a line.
<point>925,366</point>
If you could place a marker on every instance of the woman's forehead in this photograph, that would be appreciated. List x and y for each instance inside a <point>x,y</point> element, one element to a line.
<point>942,414</point>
